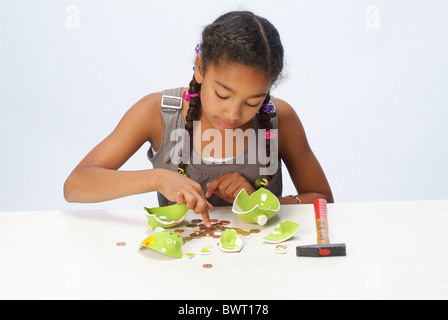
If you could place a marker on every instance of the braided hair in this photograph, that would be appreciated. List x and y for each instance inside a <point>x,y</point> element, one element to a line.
<point>244,38</point>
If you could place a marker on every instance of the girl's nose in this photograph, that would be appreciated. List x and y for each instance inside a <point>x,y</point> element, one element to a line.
<point>234,112</point>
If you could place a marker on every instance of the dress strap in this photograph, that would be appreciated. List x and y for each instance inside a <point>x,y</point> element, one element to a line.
<point>171,99</point>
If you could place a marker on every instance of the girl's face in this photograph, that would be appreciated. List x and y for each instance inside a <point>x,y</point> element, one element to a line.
<point>231,94</point>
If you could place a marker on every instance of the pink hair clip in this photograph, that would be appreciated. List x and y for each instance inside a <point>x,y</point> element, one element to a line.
<point>270,135</point>
<point>187,96</point>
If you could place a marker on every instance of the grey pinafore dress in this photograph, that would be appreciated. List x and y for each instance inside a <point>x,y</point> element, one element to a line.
<point>196,167</point>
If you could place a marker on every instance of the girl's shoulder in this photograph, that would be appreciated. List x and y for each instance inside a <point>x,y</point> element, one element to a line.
<point>144,119</point>
<point>284,110</point>
<point>289,126</point>
<point>149,106</point>
<point>149,103</point>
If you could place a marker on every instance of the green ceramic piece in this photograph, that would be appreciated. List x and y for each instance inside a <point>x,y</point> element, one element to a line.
<point>166,217</point>
<point>284,231</point>
<point>230,241</point>
<point>164,241</point>
<point>190,255</point>
<point>258,208</point>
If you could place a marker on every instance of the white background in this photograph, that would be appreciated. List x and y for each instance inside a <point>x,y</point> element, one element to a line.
<point>367,78</point>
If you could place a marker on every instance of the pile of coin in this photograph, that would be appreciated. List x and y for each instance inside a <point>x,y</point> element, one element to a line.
<point>215,231</point>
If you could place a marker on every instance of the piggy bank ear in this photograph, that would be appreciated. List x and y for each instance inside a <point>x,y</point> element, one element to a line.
<point>159,229</point>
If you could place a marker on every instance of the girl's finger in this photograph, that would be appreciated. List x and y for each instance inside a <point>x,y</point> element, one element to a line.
<point>206,218</point>
<point>180,198</point>
<point>212,186</point>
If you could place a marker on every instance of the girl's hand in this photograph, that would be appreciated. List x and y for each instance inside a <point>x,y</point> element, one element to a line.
<point>228,186</point>
<point>180,189</point>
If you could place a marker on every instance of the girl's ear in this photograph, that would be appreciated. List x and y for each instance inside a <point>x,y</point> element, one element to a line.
<point>198,69</point>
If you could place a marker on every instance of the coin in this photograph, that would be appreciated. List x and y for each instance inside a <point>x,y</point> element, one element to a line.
<point>225,222</point>
<point>254,230</point>
<point>187,239</point>
<point>281,248</point>
<point>207,266</point>
<point>121,244</point>
<point>191,225</point>
<point>195,236</point>
<point>214,220</point>
<point>179,230</point>
<point>196,221</point>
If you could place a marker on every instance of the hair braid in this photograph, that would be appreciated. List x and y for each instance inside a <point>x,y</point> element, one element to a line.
<point>194,111</point>
<point>264,120</point>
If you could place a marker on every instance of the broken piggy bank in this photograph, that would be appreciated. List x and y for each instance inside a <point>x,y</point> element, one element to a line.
<point>164,241</point>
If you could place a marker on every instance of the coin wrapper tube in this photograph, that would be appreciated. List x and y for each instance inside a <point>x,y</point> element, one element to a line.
<point>323,248</point>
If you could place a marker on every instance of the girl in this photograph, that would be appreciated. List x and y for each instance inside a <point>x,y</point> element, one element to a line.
<point>237,62</point>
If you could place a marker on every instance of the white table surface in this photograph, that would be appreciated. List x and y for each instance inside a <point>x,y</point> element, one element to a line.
<point>395,250</point>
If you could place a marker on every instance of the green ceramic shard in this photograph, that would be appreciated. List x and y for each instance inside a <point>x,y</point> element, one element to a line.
<point>166,217</point>
<point>189,255</point>
<point>164,241</point>
<point>258,208</point>
<point>284,231</point>
<point>205,250</point>
<point>230,241</point>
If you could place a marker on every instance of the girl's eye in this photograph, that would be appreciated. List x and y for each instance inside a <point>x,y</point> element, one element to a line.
<point>252,105</point>
<point>220,97</point>
<point>225,98</point>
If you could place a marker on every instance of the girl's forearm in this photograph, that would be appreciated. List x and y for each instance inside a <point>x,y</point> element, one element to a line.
<point>95,184</point>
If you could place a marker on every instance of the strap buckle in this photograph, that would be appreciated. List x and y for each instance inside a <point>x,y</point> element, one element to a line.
<point>175,105</point>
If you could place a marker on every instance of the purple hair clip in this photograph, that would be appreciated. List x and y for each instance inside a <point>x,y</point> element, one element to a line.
<point>187,96</point>
<point>268,108</point>
<point>198,49</point>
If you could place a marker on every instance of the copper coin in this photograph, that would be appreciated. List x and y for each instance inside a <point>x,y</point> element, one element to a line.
<point>187,239</point>
<point>214,220</point>
<point>254,230</point>
<point>179,230</point>
<point>195,236</point>
<point>196,221</point>
<point>191,225</point>
<point>207,266</point>
<point>121,244</point>
<point>225,221</point>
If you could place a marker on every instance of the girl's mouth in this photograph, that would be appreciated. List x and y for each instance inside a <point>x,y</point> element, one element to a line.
<point>225,125</point>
